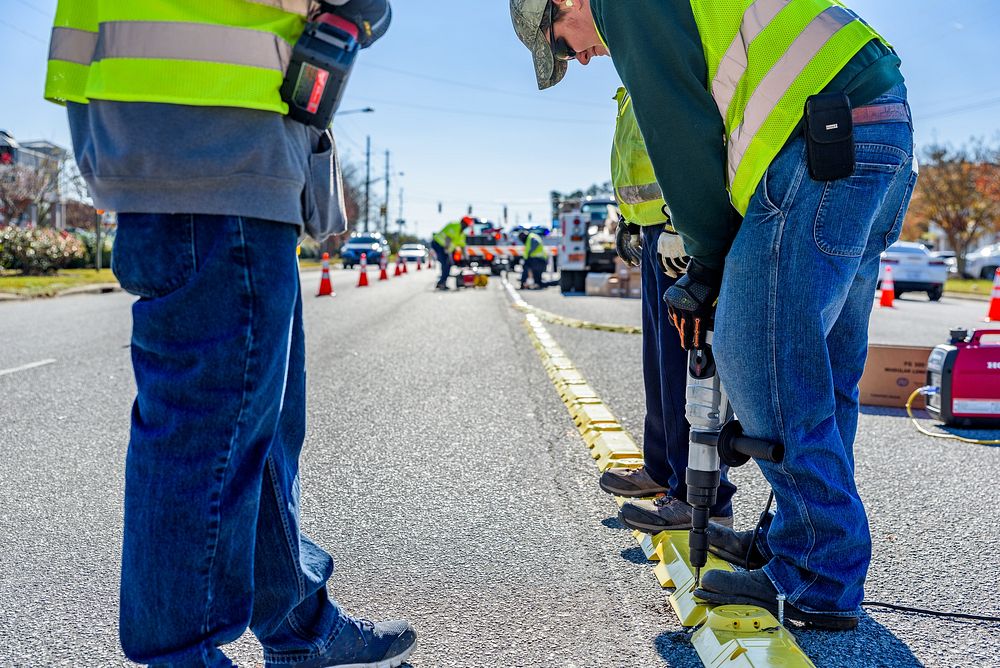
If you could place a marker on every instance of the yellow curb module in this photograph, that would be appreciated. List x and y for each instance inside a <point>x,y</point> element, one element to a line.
<point>730,636</point>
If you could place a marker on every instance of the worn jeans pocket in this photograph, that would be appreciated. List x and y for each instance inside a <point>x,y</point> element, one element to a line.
<point>325,212</point>
<point>154,254</point>
<point>848,206</point>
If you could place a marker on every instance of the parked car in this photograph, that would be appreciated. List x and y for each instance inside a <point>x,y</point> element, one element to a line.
<point>950,259</point>
<point>914,270</point>
<point>983,263</point>
<point>372,244</point>
<point>413,253</point>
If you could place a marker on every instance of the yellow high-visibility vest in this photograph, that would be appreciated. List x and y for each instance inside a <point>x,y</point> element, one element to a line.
<point>765,57</point>
<point>221,53</point>
<point>640,199</point>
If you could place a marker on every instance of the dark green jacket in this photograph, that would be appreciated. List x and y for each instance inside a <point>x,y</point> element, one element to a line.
<point>657,51</point>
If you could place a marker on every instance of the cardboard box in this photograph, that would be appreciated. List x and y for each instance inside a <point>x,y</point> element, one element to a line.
<point>617,287</point>
<point>892,373</point>
<point>597,285</point>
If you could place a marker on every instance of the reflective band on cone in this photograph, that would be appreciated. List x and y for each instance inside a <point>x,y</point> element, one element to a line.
<point>888,290</point>
<point>325,286</point>
<point>363,276</point>
<point>382,274</point>
<point>994,313</point>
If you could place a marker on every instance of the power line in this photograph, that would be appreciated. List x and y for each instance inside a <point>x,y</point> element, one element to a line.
<point>24,32</point>
<point>459,112</point>
<point>984,104</point>
<point>488,89</point>
<point>34,9</point>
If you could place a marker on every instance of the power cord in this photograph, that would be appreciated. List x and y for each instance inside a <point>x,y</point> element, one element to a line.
<point>871,604</point>
<point>928,391</point>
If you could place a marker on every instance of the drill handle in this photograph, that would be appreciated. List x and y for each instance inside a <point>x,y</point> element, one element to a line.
<point>736,449</point>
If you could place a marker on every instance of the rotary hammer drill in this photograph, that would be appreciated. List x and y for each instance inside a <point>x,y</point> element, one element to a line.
<point>716,438</point>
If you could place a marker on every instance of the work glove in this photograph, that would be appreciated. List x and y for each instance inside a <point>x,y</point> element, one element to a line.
<point>628,243</point>
<point>670,253</point>
<point>691,303</point>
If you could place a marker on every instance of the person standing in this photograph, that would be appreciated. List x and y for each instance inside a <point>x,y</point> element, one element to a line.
<point>790,117</point>
<point>179,126</point>
<point>646,238</point>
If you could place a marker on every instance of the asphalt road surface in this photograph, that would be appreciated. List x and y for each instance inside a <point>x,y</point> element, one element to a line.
<point>443,473</point>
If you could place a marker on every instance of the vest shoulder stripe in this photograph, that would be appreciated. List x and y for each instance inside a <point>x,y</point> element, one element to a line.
<point>734,63</point>
<point>154,40</point>
<point>778,80</point>
<point>649,192</point>
<point>72,45</point>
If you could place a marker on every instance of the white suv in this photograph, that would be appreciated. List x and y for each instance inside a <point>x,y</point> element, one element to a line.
<point>914,269</point>
<point>983,263</point>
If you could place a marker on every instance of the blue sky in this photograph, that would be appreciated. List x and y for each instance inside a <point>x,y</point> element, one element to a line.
<point>457,106</point>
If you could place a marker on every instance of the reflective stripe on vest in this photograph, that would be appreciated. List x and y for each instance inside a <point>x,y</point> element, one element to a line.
<point>534,251</point>
<point>300,7</point>
<point>763,64</point>
<point>230,53</point>
<point>639,196</point>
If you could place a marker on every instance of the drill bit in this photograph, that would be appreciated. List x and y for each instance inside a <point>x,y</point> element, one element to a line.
<point>781,608</point>
<point>697,578</point>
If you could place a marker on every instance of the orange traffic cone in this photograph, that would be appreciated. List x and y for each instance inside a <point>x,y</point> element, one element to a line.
<point>419,262</point>
<point>404,266</point>
<point>363,276</point>
<point>382,274</point>
<point>994,313</point>
<point>325,286</point>
<point>398,272</point>
<point>888,289</point>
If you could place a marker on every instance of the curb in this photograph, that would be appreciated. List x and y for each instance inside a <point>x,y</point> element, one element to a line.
<point>968,296</point>
<point>94,289</point>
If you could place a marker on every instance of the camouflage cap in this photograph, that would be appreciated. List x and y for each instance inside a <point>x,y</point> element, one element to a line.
<point>528,16</point>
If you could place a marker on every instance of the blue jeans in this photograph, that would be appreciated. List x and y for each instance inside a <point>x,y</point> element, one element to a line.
<point>536,267</point>
<point>665,439</point>
<point>791,342</point>
<point>444,261</point>
<point>212,543</point>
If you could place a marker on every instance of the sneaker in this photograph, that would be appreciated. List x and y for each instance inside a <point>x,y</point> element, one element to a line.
<point>441,287</point>
<point>633,483</point>
<point>364,644</point>
<point>755,588</point>
<point>664,513</point>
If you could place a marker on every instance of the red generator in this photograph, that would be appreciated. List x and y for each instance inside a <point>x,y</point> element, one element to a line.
<point>966,374</point>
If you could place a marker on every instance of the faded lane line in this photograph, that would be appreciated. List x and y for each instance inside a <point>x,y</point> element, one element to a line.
<point>25,367</point>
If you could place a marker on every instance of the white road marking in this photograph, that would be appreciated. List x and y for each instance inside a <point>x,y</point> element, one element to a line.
<point>25,367</point>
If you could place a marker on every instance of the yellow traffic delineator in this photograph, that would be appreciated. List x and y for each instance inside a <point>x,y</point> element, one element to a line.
<point>743,636</point>
<point>733,636</point>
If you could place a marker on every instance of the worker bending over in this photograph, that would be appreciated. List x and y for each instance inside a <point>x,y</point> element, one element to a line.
<point>444,242</point>
<point>791,121</point>
<point>535,259</point>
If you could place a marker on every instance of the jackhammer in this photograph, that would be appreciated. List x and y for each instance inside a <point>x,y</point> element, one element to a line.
<point>716,438</point>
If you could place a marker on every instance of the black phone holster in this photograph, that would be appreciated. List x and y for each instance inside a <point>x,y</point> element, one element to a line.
<point>829,135</point>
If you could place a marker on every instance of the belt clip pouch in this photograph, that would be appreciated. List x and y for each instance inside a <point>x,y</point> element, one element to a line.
<point>829,136</point>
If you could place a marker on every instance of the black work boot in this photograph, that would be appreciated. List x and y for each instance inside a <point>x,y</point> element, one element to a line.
<point>632,483</point>
<point>756,588</point>
<point>737,547</point>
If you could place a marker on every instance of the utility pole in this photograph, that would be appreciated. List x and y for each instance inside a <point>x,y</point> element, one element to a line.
<point>368,177</point>
<point>385,215</point>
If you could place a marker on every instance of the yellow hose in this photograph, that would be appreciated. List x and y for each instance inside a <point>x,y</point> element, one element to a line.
<point>949,437</point>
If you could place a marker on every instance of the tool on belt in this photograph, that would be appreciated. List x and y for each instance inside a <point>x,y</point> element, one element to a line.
<point>321,65</point>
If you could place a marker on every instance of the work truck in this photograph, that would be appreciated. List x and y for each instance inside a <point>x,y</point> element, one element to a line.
<point>586,240</point>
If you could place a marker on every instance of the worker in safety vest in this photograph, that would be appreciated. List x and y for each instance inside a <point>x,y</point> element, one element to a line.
<point>646,238</point>
<point>535,259</point>
<point>178,124</point>
<point>790,120</point>
<point>445,241</point>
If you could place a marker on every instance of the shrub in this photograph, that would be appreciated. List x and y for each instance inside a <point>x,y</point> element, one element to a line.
<point>89,257</point>
<point>40,251</point>
<point>6,237</point>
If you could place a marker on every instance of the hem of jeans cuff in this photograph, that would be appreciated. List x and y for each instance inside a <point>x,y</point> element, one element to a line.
<point>301,657</point>
<point>802,608</point>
